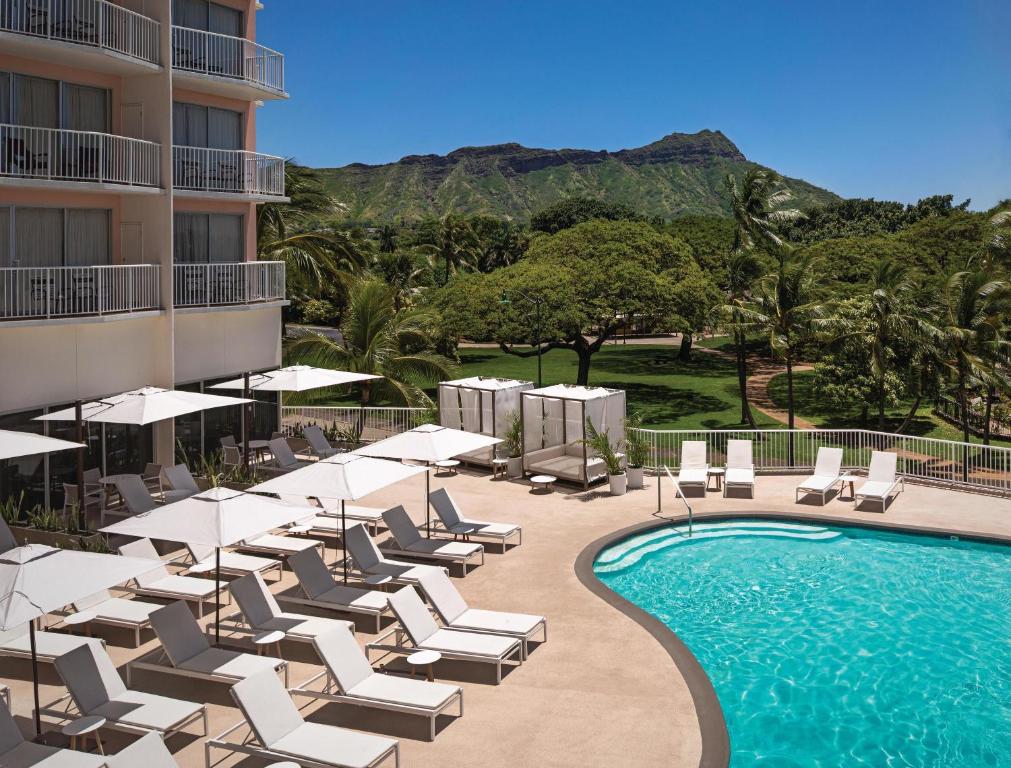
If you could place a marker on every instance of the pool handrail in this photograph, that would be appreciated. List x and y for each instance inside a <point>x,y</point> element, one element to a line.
<point>677,492</point>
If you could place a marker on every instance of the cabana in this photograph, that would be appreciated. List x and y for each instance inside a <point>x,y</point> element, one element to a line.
<point>554,426</point>
<point>480,404</point>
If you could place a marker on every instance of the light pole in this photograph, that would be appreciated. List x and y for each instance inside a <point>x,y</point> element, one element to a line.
<point>536,301</point>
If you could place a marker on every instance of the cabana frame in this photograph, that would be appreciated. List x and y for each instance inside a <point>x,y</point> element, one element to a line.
<point>481,384</point>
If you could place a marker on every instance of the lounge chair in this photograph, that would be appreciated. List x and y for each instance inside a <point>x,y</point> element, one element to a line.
<point>149,751</point>
<point>370,561</point>
<point>740,471</point>
<point>96,688</point>
<point>281,735</point>
<point>17,752</point>
<point>189,653</point>
<point>426,635</point>
<point>357,683</point>
<point>281,546</point>
<point>455,613</point>
<point>321,590</point>
<point>7,540</point>
<point>158,582</point>
<point>181,479</point>
<point>410,543</point>
<point>318,443</point>
<point>458,525</point>
<point>881,480</point>
<point>16,644</point>
<point>232,563</point>
<point>694,469</point>
<point>261,612</point>
<point>372,516</point>
<point>103,608</point>
<point>137,499</point>
<point>284,458</point>
<point>152,478</point>
<point>827,467</point>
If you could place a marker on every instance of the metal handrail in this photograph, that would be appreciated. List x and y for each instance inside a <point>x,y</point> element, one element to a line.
<point>677,492</point>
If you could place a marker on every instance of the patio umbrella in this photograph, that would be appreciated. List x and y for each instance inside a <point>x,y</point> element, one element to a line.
<point>15,444</point>
<point>344,477</point>
<point>33,582</point>
<point>429,443</point>
<point>216,518</point>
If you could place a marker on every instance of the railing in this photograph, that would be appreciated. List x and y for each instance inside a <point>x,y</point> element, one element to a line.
<point>96,23</point>
<point>370,423</point>
<point>210,53</point>
<point>61,155</point>
<point>227,170</point>
<point>969,465</point>
<point>678,493</point>
<point>950,411</point>
<point>242,282</point>
<point>44,292</point>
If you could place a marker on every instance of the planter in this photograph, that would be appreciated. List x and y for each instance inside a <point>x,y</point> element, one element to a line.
<point>635,477</point>
<point>619,483</point>
<point>515,467</point>
<point>58,539</point>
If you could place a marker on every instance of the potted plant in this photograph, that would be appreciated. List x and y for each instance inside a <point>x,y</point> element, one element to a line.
<point>600,444</point>
<point>512,442</point>
<point>637,450</point>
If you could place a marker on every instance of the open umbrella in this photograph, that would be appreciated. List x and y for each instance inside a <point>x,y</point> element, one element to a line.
<point>218,517</point>
<point>430,443</point>
<point>344,477</point>
<point>36,579</point>
<point>15,444</point>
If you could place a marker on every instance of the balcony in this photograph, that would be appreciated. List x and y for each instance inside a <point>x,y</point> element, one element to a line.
<point>49,155</point>
<point>38,293</point>
<point>91,33</point>
<point>226,65</point>
<point>217,285</point>
<point>228,171</point>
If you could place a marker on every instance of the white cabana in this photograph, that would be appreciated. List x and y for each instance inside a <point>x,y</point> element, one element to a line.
<point>480,404</point>
<point>554,428</point>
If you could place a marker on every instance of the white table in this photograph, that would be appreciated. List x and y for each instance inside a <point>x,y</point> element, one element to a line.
<point>499,466</point>
<point>848,478</point>
<point>718,473</point>
<point>447,465</point>
<point>378,580</point>
<point>423,659</point>
<point>269,637</point>
<point>79,729</point>
<point>544,481</point>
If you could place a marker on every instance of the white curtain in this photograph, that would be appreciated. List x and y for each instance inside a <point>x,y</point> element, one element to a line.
<point>573,421</point>
<point>470,408</point>
<point>86,108</point>
<point>226,238</point>
<point>38,236</point>
<point>614,416</point>
<point>533,423</point>
<point>449,407</point>
<point>189,125</point>
<point>224,129</point>
<point>87,237</point>
<point>190,238</point>
<point>507,405</point>
<point>488,412</point>
<point>37,102</point>
<point>554,413</point>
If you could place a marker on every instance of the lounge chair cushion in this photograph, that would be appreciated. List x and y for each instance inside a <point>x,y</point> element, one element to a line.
<point>818,483</point>
<point>31,755</point>
<point>189,586</point>
<point>402,690</point>
<point>146,710</point>
<point>737,476</point>
<point>876,489</point>
<point>355,598</point>
<point>335,746</point>
<point>497,621</point>
<point>48,645</point>
<point>469,643</point>
<point>449,549</point>
<point>692,476</point>
<point>234,561</point>
<point>149,751</point>
<point>283,544</point>
<point>226,663</point>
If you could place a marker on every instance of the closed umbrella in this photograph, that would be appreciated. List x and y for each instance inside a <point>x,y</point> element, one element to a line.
<point>218,517</point>
<point>344,477</point>
<point>36,579</point>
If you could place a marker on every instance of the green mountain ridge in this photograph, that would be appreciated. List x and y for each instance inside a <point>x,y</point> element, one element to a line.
<point>678,175</point>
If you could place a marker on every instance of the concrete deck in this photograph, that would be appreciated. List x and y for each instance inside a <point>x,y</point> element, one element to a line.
<point>601,692</point>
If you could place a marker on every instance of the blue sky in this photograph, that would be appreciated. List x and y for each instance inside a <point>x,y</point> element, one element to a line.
<point>888,99</point>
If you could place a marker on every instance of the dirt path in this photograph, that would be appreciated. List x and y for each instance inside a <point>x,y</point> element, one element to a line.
<point>760,398</point>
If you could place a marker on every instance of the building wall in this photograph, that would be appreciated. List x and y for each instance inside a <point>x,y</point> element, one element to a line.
<point>211,345</point>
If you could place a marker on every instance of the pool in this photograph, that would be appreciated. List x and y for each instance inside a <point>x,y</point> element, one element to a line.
<point>836,646</point>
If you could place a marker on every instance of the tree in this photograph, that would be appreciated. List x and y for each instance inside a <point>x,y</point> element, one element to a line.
<point>742,268</point>
<point>499,242</point>
<point>400,271</point>
<point>756,204</point>
<point>576,210</point>
<point>387,236</point>
<point>454,244</point>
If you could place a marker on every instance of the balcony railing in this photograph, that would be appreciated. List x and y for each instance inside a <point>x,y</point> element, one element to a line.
<point>28,293</point>
<point>97,23</point>
<point>227,170</point>
<point>62,155</point>
<point>210,53</point>
<point>244,282</point>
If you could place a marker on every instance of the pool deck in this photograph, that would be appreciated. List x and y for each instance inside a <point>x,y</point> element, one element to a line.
<point>601,692</point>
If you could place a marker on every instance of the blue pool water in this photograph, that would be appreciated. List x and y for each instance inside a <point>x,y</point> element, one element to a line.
<point>833,646</point>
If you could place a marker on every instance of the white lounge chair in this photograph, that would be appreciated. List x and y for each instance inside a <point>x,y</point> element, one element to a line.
<point>103,608</point>
<point>158,582</point>
<point>455,523</point>
<point>261,612</point>
<point>426,635</point>
<point>740,471</point>
<point>827,468</point>
<point>408,542</point>
<point>16,644</point>
<point>881,480</point>
<point>371,562</point>
<point>281,735</point>
<point>17,752</point>
<point>138,499</point>
<point>189,654</point>
<point>321,590</point>
<point>181,480</point>
<point>232,563</point>
<point>284,458</point>
<point>281,546</point>
<point>96,688</point>
<point>694,469</point>
<point>455,613</point>
<point>346,665</point>
<point>149,751</point>
<point>318,443</point>
<point>323,521</point>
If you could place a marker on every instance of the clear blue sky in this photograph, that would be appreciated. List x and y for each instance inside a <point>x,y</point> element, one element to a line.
<point>887,98</point>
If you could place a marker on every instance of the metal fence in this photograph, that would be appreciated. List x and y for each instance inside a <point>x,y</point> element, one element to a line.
<point>968,465</point>
<point>64,155</point>
<point>372,423</point>
<point>43,292</point>
<point>210,53</point>
<point>97,23</point>
<point>241,282</point>
<point>227,170</point>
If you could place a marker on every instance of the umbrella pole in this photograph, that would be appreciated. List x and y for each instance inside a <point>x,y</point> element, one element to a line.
<point>245,420</point>
<point>35,676</point>
<point>217,596</point>
<point>428,508</point>
<point>344,540</point>
<point>79,437</point>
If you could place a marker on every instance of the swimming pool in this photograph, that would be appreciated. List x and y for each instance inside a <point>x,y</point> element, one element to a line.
<point>836,646</point>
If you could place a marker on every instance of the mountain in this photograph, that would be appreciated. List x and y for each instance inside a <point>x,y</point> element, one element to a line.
<point>680,174</point>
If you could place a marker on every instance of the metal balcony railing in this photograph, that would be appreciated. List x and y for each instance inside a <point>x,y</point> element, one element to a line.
<point>244,282</point>
<point>28,293</point>
<point>227,170</point>
<point>62,155</point>
<point>210,53</point>
<point>97,23</point>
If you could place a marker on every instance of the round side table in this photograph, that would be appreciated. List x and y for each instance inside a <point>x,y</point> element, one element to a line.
<point>81,617</point>
<point>378,580</point>
<point>448,466</point>
<point>424,659</point>
<point>500,467</point>
<point>79,729</point>
<point>544,482</point>
<point>268,638</point>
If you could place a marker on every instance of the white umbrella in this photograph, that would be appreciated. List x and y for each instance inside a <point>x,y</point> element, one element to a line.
<point>431,443</point>
<point>344,477</point>
<point>217,518</point>
<point>35,579</point>
<point>15,444</point>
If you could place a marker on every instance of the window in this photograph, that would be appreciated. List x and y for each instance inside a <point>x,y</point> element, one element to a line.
<point>85,108</point>
<point>44,103</point>
<point>210,17</point>
<point>194,125</point>
<point>203,238</point>
<point>54,237</point>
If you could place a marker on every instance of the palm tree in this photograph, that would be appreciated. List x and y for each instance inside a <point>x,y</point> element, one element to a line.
<point>454,244</point>
<point>387,238</point>
<point>756,205</point>
<point>375,338</point>
<point>399,271</point>
<point>742,269</point>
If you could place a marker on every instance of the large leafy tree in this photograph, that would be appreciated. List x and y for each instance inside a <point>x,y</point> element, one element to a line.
<point>576,210</point>
<point>452,244</point>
